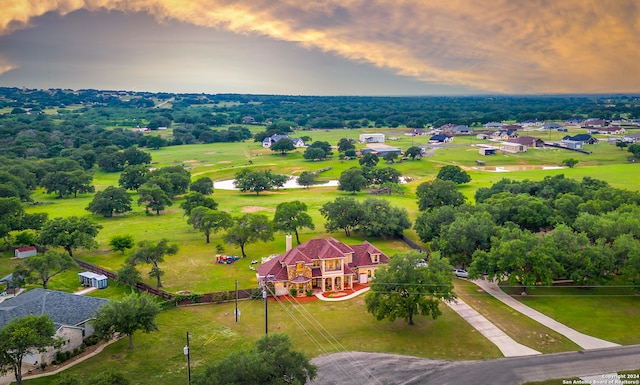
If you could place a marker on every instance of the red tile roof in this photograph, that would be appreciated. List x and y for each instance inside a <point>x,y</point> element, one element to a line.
<point>317,249</point>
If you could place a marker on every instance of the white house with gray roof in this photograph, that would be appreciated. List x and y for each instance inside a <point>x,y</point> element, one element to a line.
<point>70,313</point>
<point>270,140</point>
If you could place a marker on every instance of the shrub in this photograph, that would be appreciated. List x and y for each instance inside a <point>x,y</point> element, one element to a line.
<point>256,293</point>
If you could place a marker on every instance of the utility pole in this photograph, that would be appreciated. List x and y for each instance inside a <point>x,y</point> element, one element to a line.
<point>266,312</point>
<point>188,354</point>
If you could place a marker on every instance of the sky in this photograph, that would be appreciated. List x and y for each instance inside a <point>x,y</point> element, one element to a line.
<point>330,47</point>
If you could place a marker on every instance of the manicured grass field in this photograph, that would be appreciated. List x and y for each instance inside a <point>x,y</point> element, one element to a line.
<point>519,327</point>
<point>608,312</point>
<point>315,328</point>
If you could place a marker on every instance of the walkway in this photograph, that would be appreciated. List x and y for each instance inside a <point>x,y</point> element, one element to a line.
<point>507,345</point>
<point>85,291</point>
<point>344,297</point>
<point>582,340</point>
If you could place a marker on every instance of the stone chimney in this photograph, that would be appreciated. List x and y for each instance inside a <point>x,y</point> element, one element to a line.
<point>289,243</point>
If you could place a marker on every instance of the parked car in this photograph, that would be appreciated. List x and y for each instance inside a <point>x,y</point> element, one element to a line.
<point>460,273</point>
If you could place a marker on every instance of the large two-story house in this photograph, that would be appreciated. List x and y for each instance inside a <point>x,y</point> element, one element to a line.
<point>321,265</point>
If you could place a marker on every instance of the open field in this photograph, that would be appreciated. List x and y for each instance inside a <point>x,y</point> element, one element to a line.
<point>193,268</point>
<point>315,328</point>
<point>158,357</point>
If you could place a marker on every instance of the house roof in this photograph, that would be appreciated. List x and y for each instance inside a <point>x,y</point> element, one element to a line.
<point>579,137</point>
<point>63,308</point>
<point>440,137</point>
<point>318,249</point>
<point>90,275</point>
<point>526,140</point>
<point>362,254</point>
<point>23,249</point>
<point>276,137</point>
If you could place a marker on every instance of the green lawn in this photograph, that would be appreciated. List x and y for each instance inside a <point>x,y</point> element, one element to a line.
<point>315,328</point>
<point>519,327</point>
<point>610,312</point>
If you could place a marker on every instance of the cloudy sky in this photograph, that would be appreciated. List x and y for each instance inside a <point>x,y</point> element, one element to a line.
<point>330,47</point>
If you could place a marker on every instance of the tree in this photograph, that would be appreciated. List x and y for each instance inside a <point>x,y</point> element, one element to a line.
<point>413,152</point>
<point>272,362</point>
<point>70,233</point>
<point>22,336</point>
<point>345,144</point>
<point>306,179</point>
<point>155,198</point>
<point>380,176</point>
<point>132,177</point>
<point>324,146</point>
<point>352,180</point>
<point>173,180</point>
<point>136,312</point>
<point>454,174</point>
<point>65,183</point>
<point>111,160</point>
<point>133,156</point>
<point>110,200</point>
<point>343,213</point>
<point>515,253</point>
<point>155,142</point>
<point>283,145</point>
<point>312,153</point>
<point>13,186</point>
<point>249,228</point>
<point>290,216</point>
<point>635,150</point>
<point>255,181</point>
<point>202,185</point>
<point>404,288</point>
<point>532,213</point>
<point>369,160</point>
<point>14,218</point>
<point>128,275</point>
<point>207,220</point>
<point>390,157</point>
<point>570,162</point>
<point>430,223</point>
<point>40,268</point>
<point>463,236</point>
<point>620,144</point>
<point>277,180</point>
<point>438,193</point>
<point>121,242</point>
<point>195,199</point>
<point>153,254</point>
<point>381,220</point>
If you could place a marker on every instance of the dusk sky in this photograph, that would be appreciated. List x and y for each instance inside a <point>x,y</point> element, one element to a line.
<point>333,47</point>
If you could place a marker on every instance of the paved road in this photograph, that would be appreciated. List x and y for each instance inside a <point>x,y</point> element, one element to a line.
<point>387,369</point>
<point>582,340</point>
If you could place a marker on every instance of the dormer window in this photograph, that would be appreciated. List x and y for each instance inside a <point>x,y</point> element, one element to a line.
<point>375,257</point>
